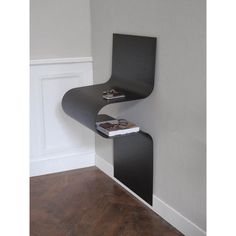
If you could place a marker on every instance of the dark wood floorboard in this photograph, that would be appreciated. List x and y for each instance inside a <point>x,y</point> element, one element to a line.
<point>86,202</point>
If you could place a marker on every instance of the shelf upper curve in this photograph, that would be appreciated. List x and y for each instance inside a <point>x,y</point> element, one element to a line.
<point>133,71</point>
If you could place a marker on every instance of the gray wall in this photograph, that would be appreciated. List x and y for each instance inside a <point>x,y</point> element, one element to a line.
<point>174,114</point>
<point>59,28</point>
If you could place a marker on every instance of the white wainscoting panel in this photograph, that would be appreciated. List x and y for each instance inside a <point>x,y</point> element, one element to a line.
<point>58,142</point>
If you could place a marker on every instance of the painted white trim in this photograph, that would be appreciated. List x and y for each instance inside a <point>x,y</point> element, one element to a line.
<point>184,225</point>
<point>54,143</point>
<point>60,60</point>
<point>104,166</point>
<point>176,219</point>
<point>62,163</point>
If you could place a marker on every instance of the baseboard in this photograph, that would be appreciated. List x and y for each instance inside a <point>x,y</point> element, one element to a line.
<point>104,166</point>
<point>180,222</point>
<point>62,163</point>
<point>176,219</point>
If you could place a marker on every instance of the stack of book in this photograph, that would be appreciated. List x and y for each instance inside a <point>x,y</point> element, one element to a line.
<point>116,127</point>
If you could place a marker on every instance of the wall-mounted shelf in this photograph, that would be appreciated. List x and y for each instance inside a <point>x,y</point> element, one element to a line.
<point>133,69</point>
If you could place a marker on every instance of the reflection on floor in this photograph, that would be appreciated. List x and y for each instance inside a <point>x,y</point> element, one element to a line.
<point>86,202</point>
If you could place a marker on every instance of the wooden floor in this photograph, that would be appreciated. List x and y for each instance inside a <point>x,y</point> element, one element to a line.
<point>86,202</point>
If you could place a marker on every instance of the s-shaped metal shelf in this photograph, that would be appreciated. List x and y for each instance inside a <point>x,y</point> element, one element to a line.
<point>133,70</point>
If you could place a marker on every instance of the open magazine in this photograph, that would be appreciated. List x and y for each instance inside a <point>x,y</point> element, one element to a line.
<point>116,127</point>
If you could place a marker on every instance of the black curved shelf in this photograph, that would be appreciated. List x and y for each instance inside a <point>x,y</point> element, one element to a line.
<point>133,69</point>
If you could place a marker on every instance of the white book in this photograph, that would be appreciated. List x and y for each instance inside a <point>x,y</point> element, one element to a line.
<point>116,127</point>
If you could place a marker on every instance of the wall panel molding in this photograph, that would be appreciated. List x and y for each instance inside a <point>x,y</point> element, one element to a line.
<point>70,60</point>
<point>58,142</point>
